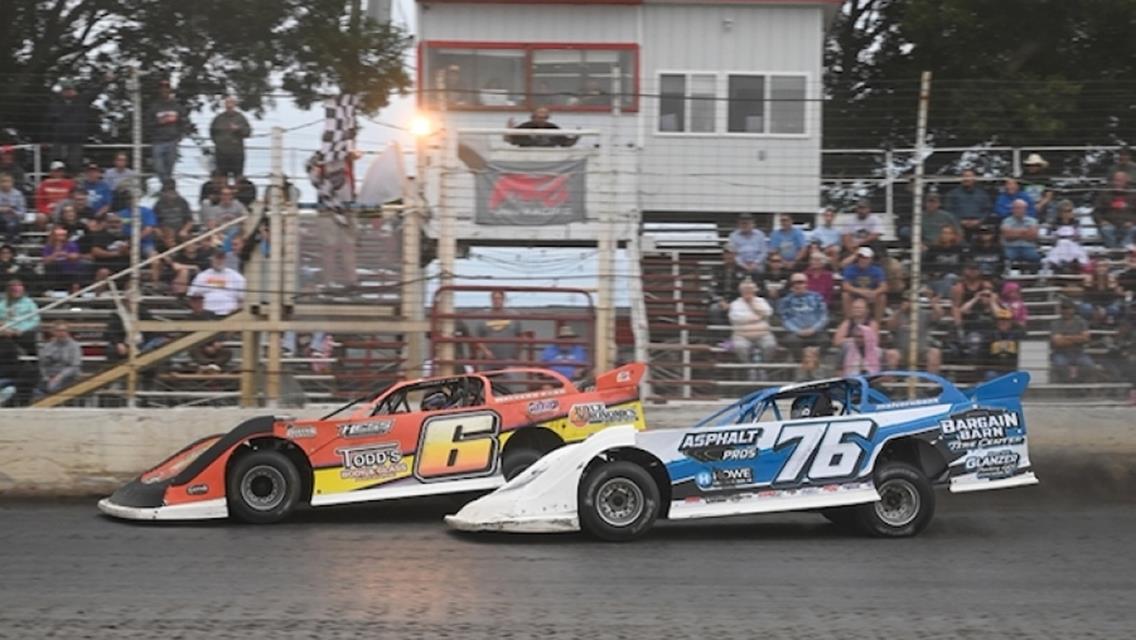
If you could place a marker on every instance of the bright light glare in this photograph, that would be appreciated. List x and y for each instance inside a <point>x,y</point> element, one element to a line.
<point>420,126</point>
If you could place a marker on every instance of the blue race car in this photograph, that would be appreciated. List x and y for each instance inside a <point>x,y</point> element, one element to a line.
<point>849,448</point>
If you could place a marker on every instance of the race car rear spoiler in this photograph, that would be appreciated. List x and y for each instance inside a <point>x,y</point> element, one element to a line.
<point>628,375</point>
<point>1011,385</point>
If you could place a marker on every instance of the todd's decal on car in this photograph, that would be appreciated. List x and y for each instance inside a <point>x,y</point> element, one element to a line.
<point>372,461</point>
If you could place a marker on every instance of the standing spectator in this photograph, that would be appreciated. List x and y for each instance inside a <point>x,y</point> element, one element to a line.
<point>228,131</point>
<point>752,340</point>
<point>935,220</point>
<point>67,120</point>
<point>52,190</point>
<point>819,276</point>
<point>1115,212</point>
<point>16,307</point>
<point>174,217</point>
<point>1010,194</point>
<point>858,340</point>
<point>569,360</point>
<point>1037,185</point>
<point>987,253</point>
<point>12,208</point>
<point>788,240</point>
<point>864,280</point>
<point>223,288</point>
<point>862,230</point>
<point>943,261</point>
<point>99,193</point>
<point>747,249</point>
<point>928,352</point>
<point>969,203</point>
<point>1019,236</point>
<point>804,316</point>
<point>538,120</point>
<point>1067,256</point>
<point>120,175</point>
<point>1012,301</point>
<point>827,235</point>
<point>1004,345</point>
<point>167,123</point>
<point>226,209</point>
<point>61,266</point>
<point>10,166</point>
<point>60,360</point>
<point>10,268</point>
<point>499,326</point>
<point>1068,337</point>
<point>1102,299</point>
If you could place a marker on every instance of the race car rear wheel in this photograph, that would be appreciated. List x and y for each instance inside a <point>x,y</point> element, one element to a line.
<point>618,501</point>
<point>906,504</point>
<point>263,487</point>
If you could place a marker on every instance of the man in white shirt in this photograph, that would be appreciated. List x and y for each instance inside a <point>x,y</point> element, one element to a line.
<point>223,288</point>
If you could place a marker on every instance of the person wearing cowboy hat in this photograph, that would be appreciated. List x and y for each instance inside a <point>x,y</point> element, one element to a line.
<point>1038,184</point>
<point>564,357</point>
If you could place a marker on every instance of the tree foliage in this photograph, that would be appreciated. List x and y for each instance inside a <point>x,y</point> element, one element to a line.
<point>309,48</point>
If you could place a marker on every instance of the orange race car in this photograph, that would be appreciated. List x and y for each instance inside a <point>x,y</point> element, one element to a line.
<point>451,434</point>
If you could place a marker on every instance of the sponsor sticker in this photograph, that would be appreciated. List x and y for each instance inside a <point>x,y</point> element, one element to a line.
<point>539,407</point>
<point>715,446</point>
<point>371,462</point>
<point>197,489</point>
<point>598,413</point>
<point>981,428</point>
<point>365,429</point>
<point>994,465</point>
<point>623,376</point>
<point>296,433</point>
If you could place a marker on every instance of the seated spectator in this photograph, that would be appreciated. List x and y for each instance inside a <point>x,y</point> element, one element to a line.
<point>69,221</point>
<point>788,240</point>
<point>1064,215</point>
<point>969,203</point>
<point>184,265</point>
<point>245,191</point>
<point>148,239</point>
<point>1123,162</point>
<point>211,190</point>
<point>62,269</point>
<point>864,280</point>
<point>928,352</point>
<point>60,360</point>
<point>1037,184</point>
<point>13,207</point>
<point>567,359</point>
<point>78,200</point>
<point>935,220</point>
<point>1126,278</point>
<point>973,304</point>
<point>943,261</point>
<point>10,166</point>
<point>858,341</point>
<point>1010,194</point>
<point>175,219</point>
<point>804,316</point>
<point>827,235</point>
<point>120,175</point>
<point>16,307</point>
<point>1019,237</point>
<point>222,287</point>
<point>1115,212</point>
<point>820,279</point>
<point>226,209</point>
<point>987,254</point>
<point>1068,337</point>
<point>811,367</point>
<point>105,244</point>
<point>10,267</point>
<point>52,190</point>
<point>211,356</point>
<point>1102,299</point>
<point>17,377</point>
<point>1011,300</point>
<point>1067,256</point>
<point>862,230</point>
<point>776,276</point>
<point>97,190</point>
<point>751,340</point>
<point>1004,345</point>
<point>117,339</point>
<point>746,249</point>
<point>538,120</point>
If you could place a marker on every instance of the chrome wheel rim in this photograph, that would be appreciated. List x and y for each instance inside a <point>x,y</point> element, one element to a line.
<point>899,503</point>
<point>619,502</point>
<point>263,488</point>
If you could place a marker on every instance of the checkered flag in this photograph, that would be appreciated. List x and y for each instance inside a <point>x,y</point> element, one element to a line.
<point>339,127</point>
<point>330,168</point>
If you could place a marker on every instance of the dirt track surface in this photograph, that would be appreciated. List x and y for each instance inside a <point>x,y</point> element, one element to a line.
<point>1014,564</point>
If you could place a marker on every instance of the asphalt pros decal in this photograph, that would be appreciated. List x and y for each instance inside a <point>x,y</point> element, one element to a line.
<point>372,462</point>
<point>982,429</point>
<point>717,446</point>
<point>583,415</point>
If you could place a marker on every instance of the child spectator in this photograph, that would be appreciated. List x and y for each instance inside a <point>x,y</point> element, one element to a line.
<point>858,341</point>
<point>1004,345</point>
<point>752,340</point>
<point>59,361</point>
<point>804,316</point>
<point>1012,301</point>
<point>1067,256</point>
<point>1065,215</point>
<point>863,279</point>
<point>1068,337</point>
<point>811,368</point>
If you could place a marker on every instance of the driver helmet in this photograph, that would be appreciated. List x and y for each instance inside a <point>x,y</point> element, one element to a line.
<point>810,406</point>
<point>435,401</point>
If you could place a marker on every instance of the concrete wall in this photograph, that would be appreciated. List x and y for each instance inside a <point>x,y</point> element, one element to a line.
<point>83,452</point>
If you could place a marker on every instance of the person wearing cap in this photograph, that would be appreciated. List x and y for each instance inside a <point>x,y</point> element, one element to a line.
<point>942,261</point>
<point>565,358</point>
<point>1067,255</point>
<point>52,190</point>
<point>864,279</point>
<point>10,166</point>
<point>986,252</point>
<point>1037,184</point>
<point>935,218</point>
<point>1019,236</point>
<point>863,229</point>
<point>222,288</point>
<point>23,314</point>
<point>1004,345</point>
<point>166,124</point>
<point>68,119</point>
<point>747,248</point>
<point>1068,337</point>
<point>969,203</point>
<point>752,339</point>
<point>788,240</point>
<point>228,131</point>
<point>12,209</point>
<point>826,235</point>
<point>804,315</point>
<point>1115,211</point>
<point>99,194</point>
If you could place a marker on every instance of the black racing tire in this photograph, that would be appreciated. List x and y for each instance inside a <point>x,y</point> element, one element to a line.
<point>906,505</point>
<point>842,517</point>
<point>515,461</point>
<point>263,487</point>
<point>618,501</point>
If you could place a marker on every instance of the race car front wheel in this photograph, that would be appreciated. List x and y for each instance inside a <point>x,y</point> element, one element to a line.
<point>514,462</point>
<point>618,501</point>
<point>263,487</point>
<point>906,504</point>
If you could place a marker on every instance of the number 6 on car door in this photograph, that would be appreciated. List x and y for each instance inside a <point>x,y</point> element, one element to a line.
<point>457,446</point>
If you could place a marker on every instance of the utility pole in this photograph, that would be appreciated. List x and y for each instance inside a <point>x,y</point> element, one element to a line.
<point>917,231</point>
<point>275,262</point>
<point>134,295</point>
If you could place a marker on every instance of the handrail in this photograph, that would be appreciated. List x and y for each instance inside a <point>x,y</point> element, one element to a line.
<point>127,271</point>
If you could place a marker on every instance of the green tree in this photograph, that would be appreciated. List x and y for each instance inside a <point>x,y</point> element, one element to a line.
<point>310,48</point>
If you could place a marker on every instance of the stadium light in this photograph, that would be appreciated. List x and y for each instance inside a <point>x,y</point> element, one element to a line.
<point>421,126</point>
